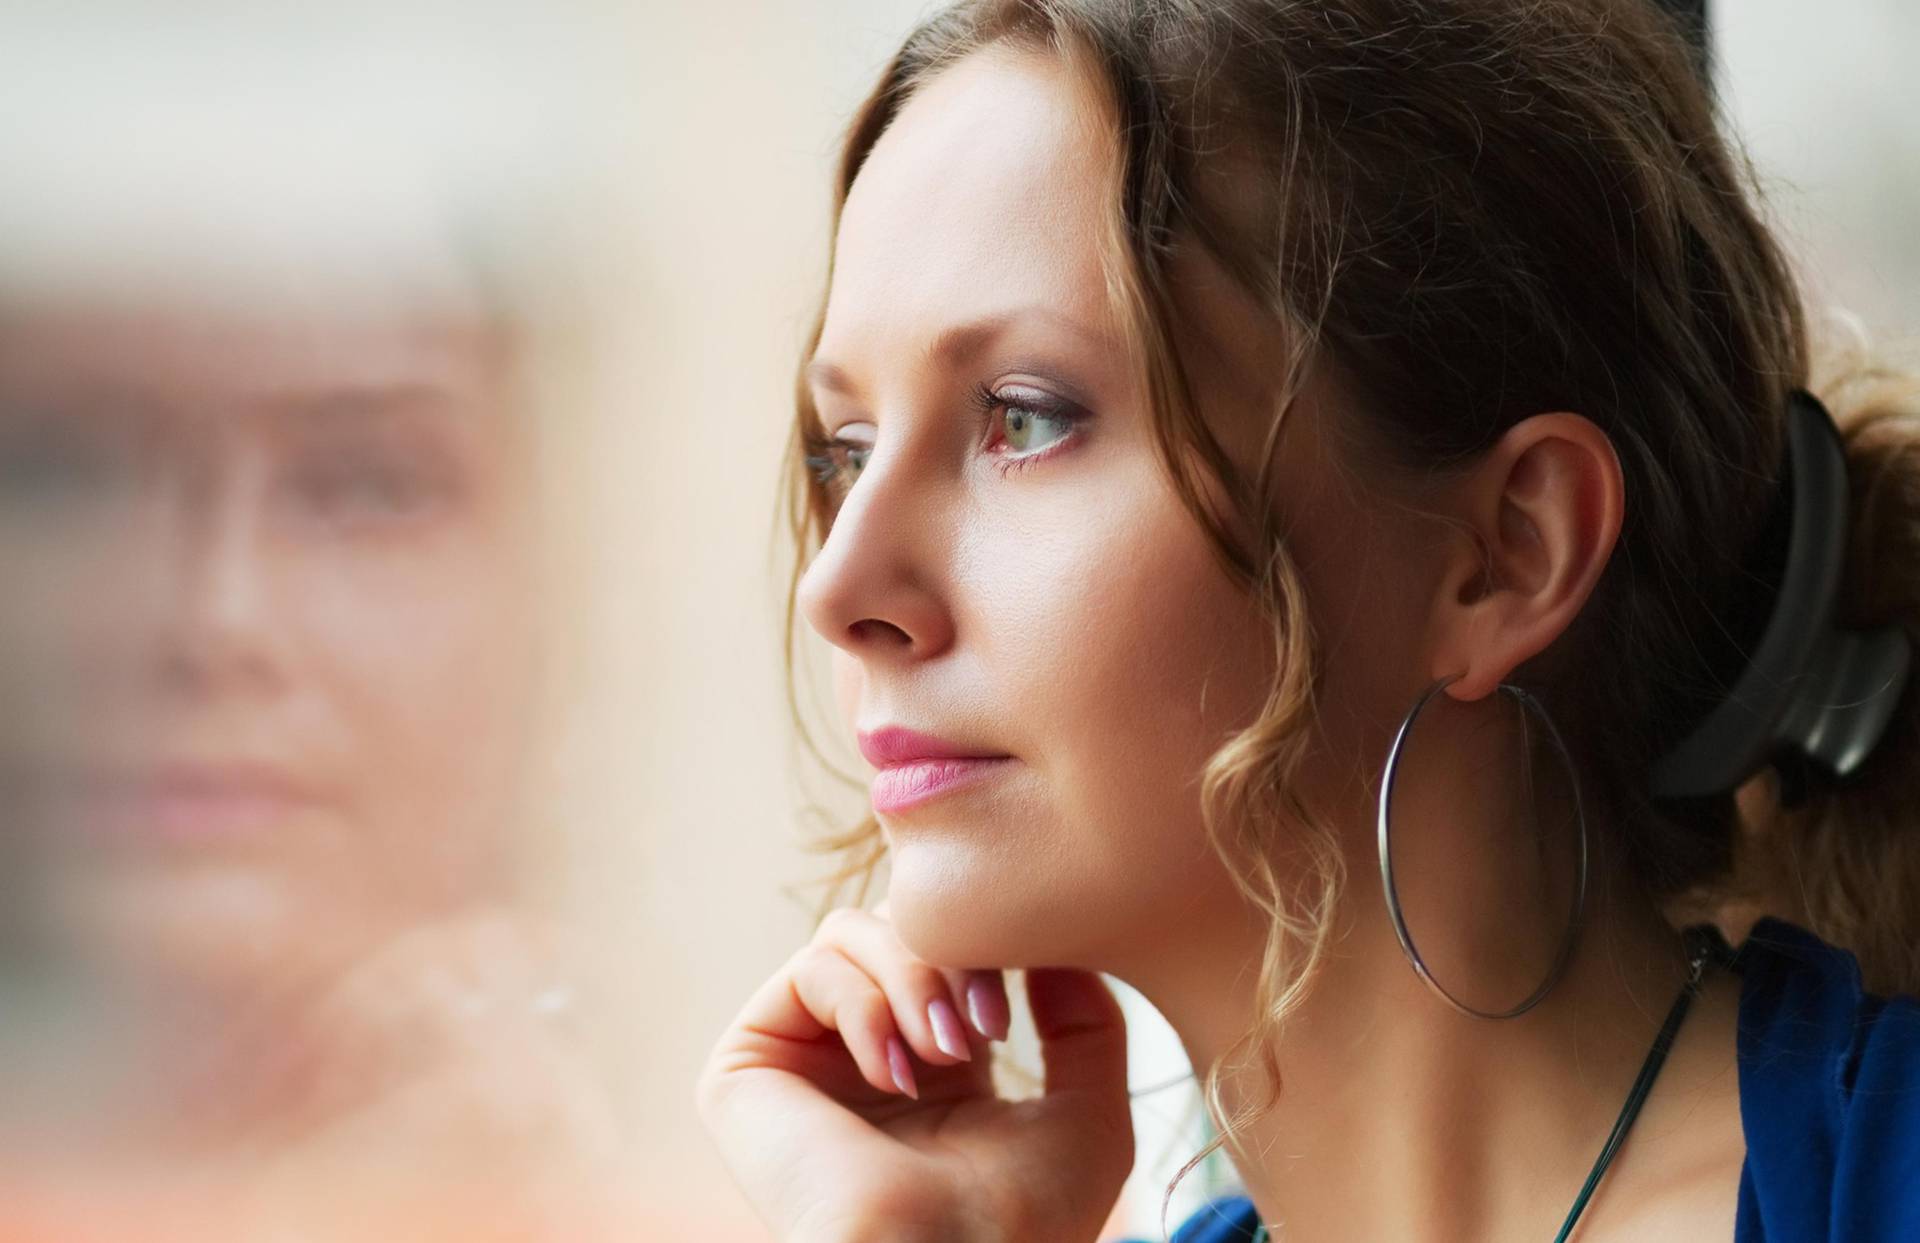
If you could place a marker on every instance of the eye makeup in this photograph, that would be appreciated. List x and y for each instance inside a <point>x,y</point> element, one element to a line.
<point>1024,424</point>
<point>1021,416</point>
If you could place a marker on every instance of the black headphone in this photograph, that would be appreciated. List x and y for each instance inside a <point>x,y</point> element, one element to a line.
<point>1813,699</point>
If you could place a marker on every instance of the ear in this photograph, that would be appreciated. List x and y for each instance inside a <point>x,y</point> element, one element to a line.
<point>1542,512</point>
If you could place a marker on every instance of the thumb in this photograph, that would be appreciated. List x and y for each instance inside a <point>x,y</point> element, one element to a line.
<point>1083,1034</point>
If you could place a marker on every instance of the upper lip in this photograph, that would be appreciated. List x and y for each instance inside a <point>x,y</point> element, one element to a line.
<point>895,744</point>
<point>204,778</point>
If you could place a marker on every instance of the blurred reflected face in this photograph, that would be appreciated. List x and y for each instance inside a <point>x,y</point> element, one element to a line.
<point>1010,575</point>
<point>263,659</point>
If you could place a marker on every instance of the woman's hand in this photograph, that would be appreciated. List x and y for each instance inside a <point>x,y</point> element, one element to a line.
<point>439,1090</point>
<point>844,1118</point>
<point>445,1093</point>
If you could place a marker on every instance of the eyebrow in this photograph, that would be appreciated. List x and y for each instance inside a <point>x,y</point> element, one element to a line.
<point>348,400</point>
<point>957,344</point>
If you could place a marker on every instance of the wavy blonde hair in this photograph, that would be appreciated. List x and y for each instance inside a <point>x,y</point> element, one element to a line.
<point>1478,210</point>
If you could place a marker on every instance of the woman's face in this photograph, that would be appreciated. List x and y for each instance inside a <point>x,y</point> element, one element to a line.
<point>1010,570</point>
<point>265,654</point>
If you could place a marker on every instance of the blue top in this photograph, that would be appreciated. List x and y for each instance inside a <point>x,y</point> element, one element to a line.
<point>1829,1099</point>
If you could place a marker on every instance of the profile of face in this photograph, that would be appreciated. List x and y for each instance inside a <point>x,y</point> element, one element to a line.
<point>266,653</point>
<point>1009,570</point>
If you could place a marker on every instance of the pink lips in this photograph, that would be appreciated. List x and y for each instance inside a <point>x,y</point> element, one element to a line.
<point>183,803</point>
<point>916,768</point>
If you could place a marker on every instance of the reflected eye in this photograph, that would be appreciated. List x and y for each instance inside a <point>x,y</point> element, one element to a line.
<point>354,485</point>
<point>66,460</point>
<point>370,487</point>
<point>837,463</point>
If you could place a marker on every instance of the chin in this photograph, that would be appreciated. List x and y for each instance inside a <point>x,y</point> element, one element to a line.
<point>977,909</point>
<point>218,933</point>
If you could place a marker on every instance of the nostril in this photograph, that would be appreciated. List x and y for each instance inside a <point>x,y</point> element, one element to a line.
<point>872,629</point>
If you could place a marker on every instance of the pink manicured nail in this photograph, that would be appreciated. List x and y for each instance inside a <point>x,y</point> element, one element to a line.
<point>947,1032</point>
<point>902,1071</point>
<point>988,1007</point>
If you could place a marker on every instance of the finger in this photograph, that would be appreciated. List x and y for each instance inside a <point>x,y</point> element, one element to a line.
<point>985,994</point>
<point>835,994</point>
<point>924,1005</point>
<point>815,993</point>
<point>428,998</point>
<point>1083,1034</point>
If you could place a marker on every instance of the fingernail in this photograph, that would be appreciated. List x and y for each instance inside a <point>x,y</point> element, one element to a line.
<point>988,1009</point>
<point>947,1032</point>
<point>902,1071</point>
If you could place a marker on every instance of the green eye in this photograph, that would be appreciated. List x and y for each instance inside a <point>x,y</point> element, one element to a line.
<point>834,467</point>
<point>836,464</point>
<point>1029,430</point>
<point>1026,421</point>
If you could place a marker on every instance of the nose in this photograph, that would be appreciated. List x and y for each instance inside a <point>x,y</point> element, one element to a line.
<point>217,631</point>
<point>877,589</point>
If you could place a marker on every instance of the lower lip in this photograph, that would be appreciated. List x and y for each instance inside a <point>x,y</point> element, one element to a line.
<point>186,815</point>
<point>904,786</point>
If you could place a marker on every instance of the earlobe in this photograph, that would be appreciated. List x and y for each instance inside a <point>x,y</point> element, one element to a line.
<point>1544,511</point>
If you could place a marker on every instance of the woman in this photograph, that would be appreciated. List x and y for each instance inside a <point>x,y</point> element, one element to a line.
<point>271,675</point>
<point>1250,445</point>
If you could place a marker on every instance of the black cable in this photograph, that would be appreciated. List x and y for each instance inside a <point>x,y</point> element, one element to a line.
<point>1705,948</point>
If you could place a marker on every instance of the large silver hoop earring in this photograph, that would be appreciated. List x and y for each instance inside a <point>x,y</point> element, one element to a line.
<point>1528,704</point>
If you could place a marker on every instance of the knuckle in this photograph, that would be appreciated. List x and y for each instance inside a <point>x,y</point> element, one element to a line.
<point>870,1015</point>
<point>706,1097</point>
<point>839,922</point>
<point>803,959</point>
<point>928,983</point>
<point>808,958</point>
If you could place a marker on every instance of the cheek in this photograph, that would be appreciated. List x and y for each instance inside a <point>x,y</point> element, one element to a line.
<point>77,616</point>
<point>1171,658</point>
<point>1117,656</point>
<point>1370,585</point>
<point>403,689</point>
<point>430,661</point>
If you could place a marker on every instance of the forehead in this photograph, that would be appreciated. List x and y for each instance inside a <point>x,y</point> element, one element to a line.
<point>991,189</point>
<point>215,307</point>
<point>202,357</point>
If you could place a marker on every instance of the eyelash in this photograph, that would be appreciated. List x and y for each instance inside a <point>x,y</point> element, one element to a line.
<point>820,452</point>
<point>820,462</point>
<point>987,402</point>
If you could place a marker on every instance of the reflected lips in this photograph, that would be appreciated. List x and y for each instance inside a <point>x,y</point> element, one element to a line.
<point>191,803</point>
<point>916,768</point>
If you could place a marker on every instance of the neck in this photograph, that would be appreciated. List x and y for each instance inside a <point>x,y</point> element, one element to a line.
<point>1401,1118</point>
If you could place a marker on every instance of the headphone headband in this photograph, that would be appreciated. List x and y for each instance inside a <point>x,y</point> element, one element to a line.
<point>1813,699</point>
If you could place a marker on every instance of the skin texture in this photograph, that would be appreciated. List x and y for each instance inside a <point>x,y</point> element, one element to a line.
<point>982,606</point>
<point>1069,614</point>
